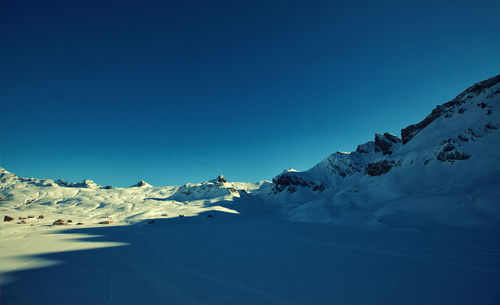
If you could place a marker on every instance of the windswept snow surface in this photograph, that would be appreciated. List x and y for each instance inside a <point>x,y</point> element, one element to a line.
<point>402,220</point>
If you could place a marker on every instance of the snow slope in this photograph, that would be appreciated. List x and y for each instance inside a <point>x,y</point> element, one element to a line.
<point>442,171</point>
<point>244,259</point>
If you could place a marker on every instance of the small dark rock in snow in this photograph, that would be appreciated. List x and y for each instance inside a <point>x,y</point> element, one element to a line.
<point>151,222</point>
<point>59,222</point>
<point>164,214</point>
<point>70,221</point>
<point>31,216</point>
<point>22,222</point>
<point>22,218</point>
<point>79,224</point>
<point>41,217</point>
<point>105,222</point>
<point>233,191</point>
<point>181,215</point>
<point>490,126</point>
<point>8,218</point>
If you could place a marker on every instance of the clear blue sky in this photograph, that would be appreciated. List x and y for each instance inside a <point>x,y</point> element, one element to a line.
<point>180,91</point>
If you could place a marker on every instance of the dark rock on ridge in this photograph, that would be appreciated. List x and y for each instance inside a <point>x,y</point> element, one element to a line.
<point>290,180</point>
<point>384,143</point>
<point>409,132</point>
<point>379,168</point>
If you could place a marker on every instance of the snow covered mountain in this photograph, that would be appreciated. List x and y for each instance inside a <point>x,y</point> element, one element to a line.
<point>88,202</point>
<point>442,170</point>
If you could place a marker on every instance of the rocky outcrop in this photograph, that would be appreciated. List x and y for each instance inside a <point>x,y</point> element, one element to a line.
<point>386,143</point>
<point>344,164</point>
<point>141,183</point>
<point>87,183</point>
<point>221,179</point>
<point>411,131</point>
<point>59,222</point>
<point>379,168</point>
<point>8,218</point>
<point>290,181</point>
<point>366,148</point>
<point>480,87</point>
<point>61,183</point>
<point>449,152</point>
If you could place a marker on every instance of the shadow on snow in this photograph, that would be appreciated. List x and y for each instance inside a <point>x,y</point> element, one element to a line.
<point>249,259</point>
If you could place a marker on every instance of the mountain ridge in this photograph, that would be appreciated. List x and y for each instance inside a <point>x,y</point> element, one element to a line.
<point>439,171</point>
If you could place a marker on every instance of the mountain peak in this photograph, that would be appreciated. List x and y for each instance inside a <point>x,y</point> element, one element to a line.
<point>142,183</point>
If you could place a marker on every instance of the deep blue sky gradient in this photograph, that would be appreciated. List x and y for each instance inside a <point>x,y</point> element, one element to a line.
<point>180,91</point>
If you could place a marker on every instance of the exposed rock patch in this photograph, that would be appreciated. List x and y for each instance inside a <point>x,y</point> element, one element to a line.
<point>386,143</point>
<point>291,181</point>
<point>379,168</point>
<point>366,148</point>
<point>59,222</point>
<point>449,152</point>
